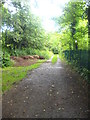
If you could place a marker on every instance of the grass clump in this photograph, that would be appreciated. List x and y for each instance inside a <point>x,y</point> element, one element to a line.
<point>54,59</point>
<point>12,75</point>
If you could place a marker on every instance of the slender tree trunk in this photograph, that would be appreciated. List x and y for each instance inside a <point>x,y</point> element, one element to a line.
<point>89,25</point>
<point>73,31</point>
<point>89,54</point>
<point>88,36</point>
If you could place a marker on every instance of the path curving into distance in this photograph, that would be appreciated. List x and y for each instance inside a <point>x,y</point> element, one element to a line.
<point>50,91</point>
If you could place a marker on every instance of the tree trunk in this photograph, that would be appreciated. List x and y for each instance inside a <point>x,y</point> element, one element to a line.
<point>88,38</point>
<point>89,25</point>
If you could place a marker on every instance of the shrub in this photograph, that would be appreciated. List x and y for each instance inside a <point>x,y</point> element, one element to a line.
<point>30,51</point>
<point>6,60</point>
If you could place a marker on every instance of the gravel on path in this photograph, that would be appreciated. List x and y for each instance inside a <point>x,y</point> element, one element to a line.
<point>50,91</point>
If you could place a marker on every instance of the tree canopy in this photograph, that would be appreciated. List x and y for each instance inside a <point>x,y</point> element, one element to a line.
<point>21,28</point>
<point>74,26</point>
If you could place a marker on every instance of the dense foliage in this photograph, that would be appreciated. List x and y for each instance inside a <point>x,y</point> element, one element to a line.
<point>22,32</point>
<point>23,29</point>
<point>74,34</point>
<point>74,26</point>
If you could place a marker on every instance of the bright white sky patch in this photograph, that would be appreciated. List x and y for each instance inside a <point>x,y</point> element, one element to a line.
<point>46,10</point>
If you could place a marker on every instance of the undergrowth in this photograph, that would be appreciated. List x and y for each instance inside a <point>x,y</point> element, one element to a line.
<point>5,60</point>
<point>12,75</point>
<point>84,73</point>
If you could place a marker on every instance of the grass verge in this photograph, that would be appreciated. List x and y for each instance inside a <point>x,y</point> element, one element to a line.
<point>12,75</point>
<point>54,59</point>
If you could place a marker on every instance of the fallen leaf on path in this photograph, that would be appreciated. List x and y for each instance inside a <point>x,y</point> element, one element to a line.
<point>57,93</point>
<point>72,92</point>
<point>59,108</point>
<point>52,85</point>
<point>27,97</point>
<point>36,115</point>
<point>50,90</point>
<point>56,104</point>
<point>11,104</point>
<point>44,110</point>
<point>88,110</point>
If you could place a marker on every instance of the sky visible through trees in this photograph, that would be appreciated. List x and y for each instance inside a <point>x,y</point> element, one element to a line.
<point>46,10</point>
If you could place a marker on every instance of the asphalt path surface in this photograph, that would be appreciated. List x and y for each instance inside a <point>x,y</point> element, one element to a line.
<point>50,91</point>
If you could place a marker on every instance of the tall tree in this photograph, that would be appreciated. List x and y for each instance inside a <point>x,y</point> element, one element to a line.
<point>70,19</point>
<point>23,29</point>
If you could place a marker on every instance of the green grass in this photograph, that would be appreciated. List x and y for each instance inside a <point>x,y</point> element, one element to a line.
<point>12,75</point>
<point>54,59</point>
